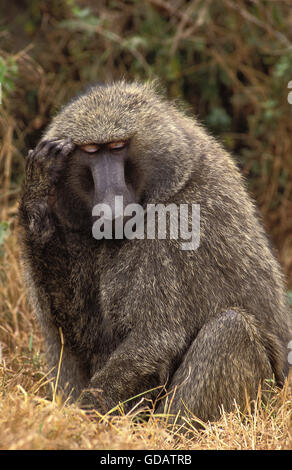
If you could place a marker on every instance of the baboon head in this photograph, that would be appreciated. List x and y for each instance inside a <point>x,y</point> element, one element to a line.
<point>129,142</point>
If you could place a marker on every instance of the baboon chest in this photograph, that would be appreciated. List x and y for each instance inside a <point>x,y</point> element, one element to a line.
<point>71,281</point>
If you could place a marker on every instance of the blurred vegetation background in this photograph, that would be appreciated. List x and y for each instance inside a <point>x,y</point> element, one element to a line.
<point>231,62</point>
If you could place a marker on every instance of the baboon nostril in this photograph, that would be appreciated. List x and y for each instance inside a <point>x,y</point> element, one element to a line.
<point>131,174</point>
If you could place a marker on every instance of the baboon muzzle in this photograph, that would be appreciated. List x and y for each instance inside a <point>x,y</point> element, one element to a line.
<point>108,173</point>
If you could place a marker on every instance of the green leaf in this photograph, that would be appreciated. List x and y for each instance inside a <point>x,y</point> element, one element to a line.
<point>134,42</point>
<point>4,232</point>
<point>282,66</point>
<point>81,12</point>
<point>218,118</point>
<point>30,341</point>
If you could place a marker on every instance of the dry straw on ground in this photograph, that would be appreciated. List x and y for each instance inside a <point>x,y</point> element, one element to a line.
<point>244,49</point>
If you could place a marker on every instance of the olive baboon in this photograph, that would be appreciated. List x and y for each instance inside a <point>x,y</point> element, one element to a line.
<point>211,323</point>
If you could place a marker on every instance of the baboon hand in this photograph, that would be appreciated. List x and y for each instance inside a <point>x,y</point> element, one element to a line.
<point>47,161</point>
<point>92,400</point>
<point>44,166</point>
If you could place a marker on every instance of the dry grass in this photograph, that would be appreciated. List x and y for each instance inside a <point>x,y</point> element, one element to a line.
<point>30,421</point>
<point>46,78</point>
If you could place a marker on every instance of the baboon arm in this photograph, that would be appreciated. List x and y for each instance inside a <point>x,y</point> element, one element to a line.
<point>140,364</point>
<point>69,376</point>
<point>44,166</point>
<point>158,321</point>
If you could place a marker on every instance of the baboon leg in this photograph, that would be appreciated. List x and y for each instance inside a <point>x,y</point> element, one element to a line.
<point>226,362</point>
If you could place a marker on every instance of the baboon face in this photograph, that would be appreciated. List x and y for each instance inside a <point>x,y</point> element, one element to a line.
<point>101,171</point>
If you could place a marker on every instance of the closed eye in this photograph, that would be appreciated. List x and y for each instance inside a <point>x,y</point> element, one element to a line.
<point>90,148</point>
<point>117,145</point>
